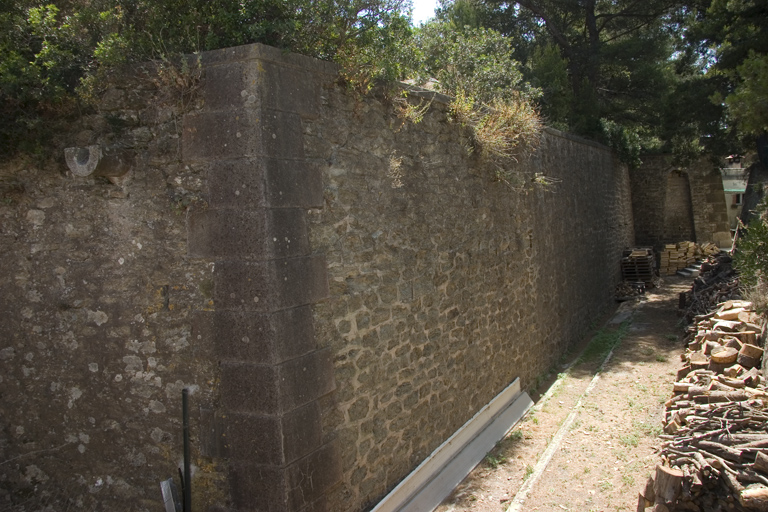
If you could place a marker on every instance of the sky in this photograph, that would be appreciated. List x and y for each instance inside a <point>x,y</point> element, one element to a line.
<point>423,10</point>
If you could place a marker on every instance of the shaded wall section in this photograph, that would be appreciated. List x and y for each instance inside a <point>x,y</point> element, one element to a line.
<point>659,203</point>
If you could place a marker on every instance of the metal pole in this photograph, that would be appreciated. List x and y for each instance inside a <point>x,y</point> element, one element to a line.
<point>185,433</point>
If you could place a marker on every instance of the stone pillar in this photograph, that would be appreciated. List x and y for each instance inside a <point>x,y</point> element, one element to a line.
<point>248,135</point>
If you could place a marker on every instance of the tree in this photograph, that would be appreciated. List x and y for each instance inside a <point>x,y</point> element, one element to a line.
<point>616,55</point>
<point>48,48</point>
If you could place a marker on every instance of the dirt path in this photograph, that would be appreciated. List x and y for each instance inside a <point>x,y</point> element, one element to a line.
<point>600,425</point>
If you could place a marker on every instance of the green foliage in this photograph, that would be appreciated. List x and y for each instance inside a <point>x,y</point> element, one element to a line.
<point>624,141</point>
<point>751,256</point>
<point>549,73</point>
<point>476,61</point>
<point>51,50</point>
<point>749,101</point>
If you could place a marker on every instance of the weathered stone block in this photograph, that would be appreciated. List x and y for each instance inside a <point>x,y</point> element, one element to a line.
<point>266,389</point>
<point>232,86</point>
<point>306,378</point>
<point>292,89</point>
<point>267,53</point>
<point>264,182</point>
<point>218,135</point>
<point>267,338</point>
<point>273,440</point>
<point>302,431</point>
<point>282,135</point>
<point>309,478</point>
<point>258,488</point>
<point>251,388</point>
<point>258,234</point>
<point>290,183</point>
<point>270,285</point>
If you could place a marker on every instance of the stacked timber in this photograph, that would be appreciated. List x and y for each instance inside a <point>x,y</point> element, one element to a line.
<point>706,250</point>
<point>715,449</point>
<point>676,256</point>
<point>637,265</point>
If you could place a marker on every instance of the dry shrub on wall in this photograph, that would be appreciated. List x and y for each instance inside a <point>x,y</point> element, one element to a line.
<point>501,134</point>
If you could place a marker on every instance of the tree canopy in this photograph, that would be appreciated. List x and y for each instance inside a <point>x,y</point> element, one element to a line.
<point>685,76</point>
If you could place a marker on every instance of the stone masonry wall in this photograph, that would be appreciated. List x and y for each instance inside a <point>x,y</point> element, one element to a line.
<point>98,296</point>
<point>446,285</point>
<point>649,198</point>
<point>340,290</point>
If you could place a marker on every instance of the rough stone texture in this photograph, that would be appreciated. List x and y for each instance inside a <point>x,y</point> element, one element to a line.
<point>248,135</point>
<point>660,202</point>
<point>341,289</point>
<point>96,325</point>
<point>446,285</point>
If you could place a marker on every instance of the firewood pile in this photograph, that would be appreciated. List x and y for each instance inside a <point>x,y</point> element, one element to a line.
<point>715,449</point>
<point>676,256</point>
<point>716,283</point>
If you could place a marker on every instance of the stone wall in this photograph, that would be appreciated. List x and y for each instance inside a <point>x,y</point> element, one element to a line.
<point>98,299</point>
<point>660,203</point>
<point>445,284</point>
<point>340,288</point>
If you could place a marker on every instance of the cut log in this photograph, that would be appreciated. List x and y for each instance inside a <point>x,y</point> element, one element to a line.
<point>746,361</point>
<point>683,372</point>
<point>728,325</point>
<point>732,341</point>
<point>726,355</point>
<point>761,462</point>
<point>713,397</point>
<point>668,484</point>
<point>749,317</point>
<point>642,503</point>
<point>711,346</point>
<point>734,371</point>
<point>752,378</point>
<point>754,498</point>
<point>648,492</point>
<point>729,314</point>
<point>732,383</point>
<point>681,387</point>
<point>752,351</point>
<point>698,361</point>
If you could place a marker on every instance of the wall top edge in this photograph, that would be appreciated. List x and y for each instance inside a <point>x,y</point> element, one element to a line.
<point>258,51</point>
<point>575,138</point>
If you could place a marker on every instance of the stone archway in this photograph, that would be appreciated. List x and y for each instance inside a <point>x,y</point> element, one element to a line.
<point>678,208</point>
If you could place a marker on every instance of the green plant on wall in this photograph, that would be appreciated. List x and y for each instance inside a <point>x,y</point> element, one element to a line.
<point>751,257</point>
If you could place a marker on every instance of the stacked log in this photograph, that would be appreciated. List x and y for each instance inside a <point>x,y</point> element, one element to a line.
<point>676,256</point>
<point>716,283</point>
<point>715,449</point>
<point>706,250</point>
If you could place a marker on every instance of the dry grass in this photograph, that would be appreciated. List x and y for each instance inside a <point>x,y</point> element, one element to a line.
<point>501,134</point>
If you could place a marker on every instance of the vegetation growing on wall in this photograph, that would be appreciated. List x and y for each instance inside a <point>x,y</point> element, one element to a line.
<point>684,76</point>
<point>51,51</point>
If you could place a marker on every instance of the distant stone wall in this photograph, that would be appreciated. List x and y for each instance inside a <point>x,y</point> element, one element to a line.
<point>661,202</point>
<point>341,289</point>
